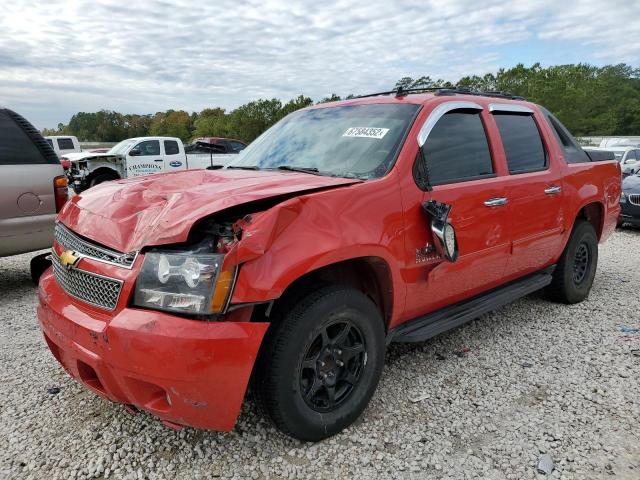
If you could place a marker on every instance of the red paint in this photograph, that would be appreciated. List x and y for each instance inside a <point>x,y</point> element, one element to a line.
<point>317,222</point>
<point>185,372</point>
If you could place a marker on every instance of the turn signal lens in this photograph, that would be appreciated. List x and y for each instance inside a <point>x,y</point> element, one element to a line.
<point>221,291</point>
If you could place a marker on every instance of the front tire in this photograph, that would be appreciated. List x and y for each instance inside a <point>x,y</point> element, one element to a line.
<point>321,362</point>
<point>576,269</point>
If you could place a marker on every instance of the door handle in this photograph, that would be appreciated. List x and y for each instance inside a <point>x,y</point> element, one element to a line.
<point>158,160</point>
<point>552,190</point>
<point>495,202</point>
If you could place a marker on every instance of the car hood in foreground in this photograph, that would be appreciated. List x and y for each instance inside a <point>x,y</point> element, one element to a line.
<point>127,215</point>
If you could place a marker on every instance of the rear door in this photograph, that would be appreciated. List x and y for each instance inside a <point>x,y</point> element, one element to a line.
<point>534,189</point>
<point>27,200</point>
<point>174,158</point>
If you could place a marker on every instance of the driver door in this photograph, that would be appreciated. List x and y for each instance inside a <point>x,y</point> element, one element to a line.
<point>462,175</point>
<point>145,158</point>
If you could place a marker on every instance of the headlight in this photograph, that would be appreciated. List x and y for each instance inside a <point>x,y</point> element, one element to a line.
<point>623,198</point>
<point>184,282</point>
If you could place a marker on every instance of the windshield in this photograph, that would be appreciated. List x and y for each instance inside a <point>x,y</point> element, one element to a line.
<point>121,147</point>
<point>351,141</point>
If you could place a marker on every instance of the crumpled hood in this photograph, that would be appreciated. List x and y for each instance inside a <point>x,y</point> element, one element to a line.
<point>160,209</point>
<point>631,184</point>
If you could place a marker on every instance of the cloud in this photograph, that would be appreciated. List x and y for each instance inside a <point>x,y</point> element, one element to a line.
<point>57,58</point>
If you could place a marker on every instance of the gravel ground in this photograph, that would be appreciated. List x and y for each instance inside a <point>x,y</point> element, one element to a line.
<point>537,378</point>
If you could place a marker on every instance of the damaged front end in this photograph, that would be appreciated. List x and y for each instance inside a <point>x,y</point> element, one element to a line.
<point>81,171</point>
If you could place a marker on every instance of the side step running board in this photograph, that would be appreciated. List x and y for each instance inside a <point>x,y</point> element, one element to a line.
<point>432,324</point>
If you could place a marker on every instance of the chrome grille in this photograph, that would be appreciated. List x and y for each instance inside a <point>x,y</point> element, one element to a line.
<point>97,290</point>
<point>634,198</point>
<point>71,241</point>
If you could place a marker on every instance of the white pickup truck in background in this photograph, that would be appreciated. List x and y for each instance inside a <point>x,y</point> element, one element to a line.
<point>134,157</point>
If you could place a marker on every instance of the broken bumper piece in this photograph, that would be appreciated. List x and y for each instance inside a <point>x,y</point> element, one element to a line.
<point>186,372</point>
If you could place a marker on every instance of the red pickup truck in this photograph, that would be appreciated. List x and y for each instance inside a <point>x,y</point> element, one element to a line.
<point>344,227</point>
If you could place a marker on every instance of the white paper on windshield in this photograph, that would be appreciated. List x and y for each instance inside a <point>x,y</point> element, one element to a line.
<point>366,132</point>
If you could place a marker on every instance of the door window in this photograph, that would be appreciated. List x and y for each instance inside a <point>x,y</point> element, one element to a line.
<point>148,147</point>
<point>457,149</point>
<point>171,147</point>
<point>522,143</point>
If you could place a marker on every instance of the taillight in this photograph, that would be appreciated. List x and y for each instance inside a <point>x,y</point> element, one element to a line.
<point>65,162</point>
<point>61,191</point>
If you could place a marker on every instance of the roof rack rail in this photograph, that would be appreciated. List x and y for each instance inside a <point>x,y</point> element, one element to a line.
<point>445,91</point>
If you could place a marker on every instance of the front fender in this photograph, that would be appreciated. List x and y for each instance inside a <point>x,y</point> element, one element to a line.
<point>306,233</point>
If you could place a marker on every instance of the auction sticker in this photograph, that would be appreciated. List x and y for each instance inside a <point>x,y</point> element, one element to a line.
<point>366,132</point>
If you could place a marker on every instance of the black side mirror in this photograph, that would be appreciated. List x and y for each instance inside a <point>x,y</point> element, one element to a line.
<point>135,152</point>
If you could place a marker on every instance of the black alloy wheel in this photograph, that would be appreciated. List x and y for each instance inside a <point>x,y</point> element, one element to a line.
<point>332,366</point>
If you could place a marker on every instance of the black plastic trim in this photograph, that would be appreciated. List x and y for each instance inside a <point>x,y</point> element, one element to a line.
<point>432,324</point>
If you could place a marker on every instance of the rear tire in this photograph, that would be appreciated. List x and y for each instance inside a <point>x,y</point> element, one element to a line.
<point>320,362</point>
<point>576,269</point>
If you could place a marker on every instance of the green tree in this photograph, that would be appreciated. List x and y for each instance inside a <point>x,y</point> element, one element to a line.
<point>171,123</point>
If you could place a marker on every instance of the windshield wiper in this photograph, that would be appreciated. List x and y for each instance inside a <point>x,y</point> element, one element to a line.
<point>244,167</point>
<point>289,168</point>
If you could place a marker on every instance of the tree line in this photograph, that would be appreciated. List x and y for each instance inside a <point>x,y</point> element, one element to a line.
<point>589,100</point>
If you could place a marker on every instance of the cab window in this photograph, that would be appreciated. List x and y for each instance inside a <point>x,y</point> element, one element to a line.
<point>457,149</point>
<point>65,144</point>
<point>171,147</point>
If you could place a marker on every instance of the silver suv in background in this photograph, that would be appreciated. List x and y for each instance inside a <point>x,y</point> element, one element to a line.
<point>33,187</point>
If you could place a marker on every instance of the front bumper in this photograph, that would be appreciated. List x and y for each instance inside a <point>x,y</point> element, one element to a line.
<point>185,372</point>
<point>629,213</point>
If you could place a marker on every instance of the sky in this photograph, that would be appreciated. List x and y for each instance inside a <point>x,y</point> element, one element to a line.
<point>61,57</point>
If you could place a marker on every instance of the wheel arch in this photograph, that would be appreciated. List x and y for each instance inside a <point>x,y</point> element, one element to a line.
<point>103,170</point>
<point>592,212</point>
<point>371,275</point>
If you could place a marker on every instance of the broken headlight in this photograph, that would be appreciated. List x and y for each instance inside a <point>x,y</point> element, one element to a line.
<point>184,282</point>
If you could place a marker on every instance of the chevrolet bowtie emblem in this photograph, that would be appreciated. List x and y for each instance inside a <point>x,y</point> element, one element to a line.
<point>68,259</point>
